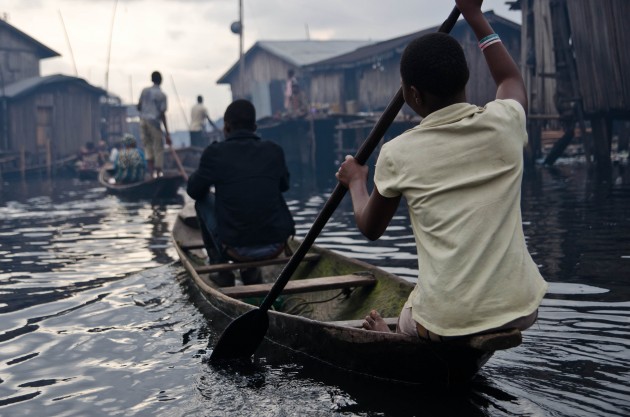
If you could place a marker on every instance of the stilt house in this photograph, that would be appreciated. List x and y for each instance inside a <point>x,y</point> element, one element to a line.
<point>267,64</point>
<point>576,68</point>
<point>42,119</point>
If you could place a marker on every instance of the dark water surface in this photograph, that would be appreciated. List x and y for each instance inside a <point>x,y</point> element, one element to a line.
<point>95,322</point>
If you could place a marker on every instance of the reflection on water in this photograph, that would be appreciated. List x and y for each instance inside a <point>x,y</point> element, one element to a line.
<point>95,322</point>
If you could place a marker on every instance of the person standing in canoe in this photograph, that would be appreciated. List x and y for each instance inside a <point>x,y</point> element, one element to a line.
<point>198,117</point>
<point>460,173</point>
<point>152,107</point>
<point>246,218</point>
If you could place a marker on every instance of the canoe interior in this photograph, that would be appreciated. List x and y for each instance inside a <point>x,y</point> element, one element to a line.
<point>351,303</point>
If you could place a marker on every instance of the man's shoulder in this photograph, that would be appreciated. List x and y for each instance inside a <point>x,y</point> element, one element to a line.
<point>158,91</point>
<point>271,145</point>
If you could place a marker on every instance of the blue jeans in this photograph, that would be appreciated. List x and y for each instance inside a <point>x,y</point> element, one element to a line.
<point>206,213</point>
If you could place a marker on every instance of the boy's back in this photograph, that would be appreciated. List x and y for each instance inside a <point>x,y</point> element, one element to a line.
<point>460,173</point>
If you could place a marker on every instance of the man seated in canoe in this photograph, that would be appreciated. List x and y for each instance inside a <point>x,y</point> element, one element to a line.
<point>246,218</point>
<point>460,173</point>
<point>130,164</point>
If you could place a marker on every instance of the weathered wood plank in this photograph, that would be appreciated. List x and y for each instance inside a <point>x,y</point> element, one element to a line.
<point>490,342</point>
<point>302,285</point>
<point>243,265</point>
<point>391,322</point>
<point>192,245</point>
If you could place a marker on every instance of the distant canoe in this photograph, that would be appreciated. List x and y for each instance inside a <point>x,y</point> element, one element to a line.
<point>165,186</point>
<point>320,313</point>
<point>9,167</point>
<point>87,174</point>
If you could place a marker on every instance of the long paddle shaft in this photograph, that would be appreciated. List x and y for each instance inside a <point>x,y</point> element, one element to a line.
<point>241,338</point>
<point>179,164</point>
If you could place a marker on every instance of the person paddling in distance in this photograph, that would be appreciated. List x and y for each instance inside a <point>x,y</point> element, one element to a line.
<point>460,173</point>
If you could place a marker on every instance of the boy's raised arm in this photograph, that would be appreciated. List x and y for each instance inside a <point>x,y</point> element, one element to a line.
<point>502,67</point>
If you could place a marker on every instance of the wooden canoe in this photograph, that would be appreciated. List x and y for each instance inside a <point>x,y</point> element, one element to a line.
<point>87,174</point>
<point>161,187</point>
<point>321,309</point>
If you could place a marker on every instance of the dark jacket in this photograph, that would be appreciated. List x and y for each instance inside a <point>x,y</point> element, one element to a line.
<point>249,176</point>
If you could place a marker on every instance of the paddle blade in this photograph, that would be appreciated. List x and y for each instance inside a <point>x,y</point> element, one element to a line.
<point>242,337</point>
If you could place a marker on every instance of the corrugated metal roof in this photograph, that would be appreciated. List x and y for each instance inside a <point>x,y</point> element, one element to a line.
<point>386,49</point>
<point>299,53</point>
<point>29,85</point>
<point>44,51</point>
<point>302,53</point>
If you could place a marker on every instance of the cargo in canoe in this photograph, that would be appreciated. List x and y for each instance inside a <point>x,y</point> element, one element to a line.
<point>165,186</point>
<point>320,312</point>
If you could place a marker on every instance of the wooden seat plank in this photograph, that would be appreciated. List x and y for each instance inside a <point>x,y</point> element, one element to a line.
<point>390,321</point>
<point>192,245</point>
<point>302,285</point>
<point>244,265</point>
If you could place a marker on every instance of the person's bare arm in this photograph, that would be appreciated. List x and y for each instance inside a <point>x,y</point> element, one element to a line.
<point>372,212</point>
<point>502,67</point>
<point>212,123</point>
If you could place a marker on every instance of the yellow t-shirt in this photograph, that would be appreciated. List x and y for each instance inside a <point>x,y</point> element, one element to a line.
<point>460,171</point>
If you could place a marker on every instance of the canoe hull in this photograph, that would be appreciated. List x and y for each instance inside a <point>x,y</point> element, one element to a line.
<point>166,186</point>
<point>386,356</point>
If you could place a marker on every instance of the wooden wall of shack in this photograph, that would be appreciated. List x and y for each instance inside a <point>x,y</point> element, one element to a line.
<point>19,59</point>
<point>538,61</point>
<point>264,70</point>
<point>325,90</point>
<point>576,70</point>
<point>602,54</point>
<point>377,84</point>
<point>64,114</point>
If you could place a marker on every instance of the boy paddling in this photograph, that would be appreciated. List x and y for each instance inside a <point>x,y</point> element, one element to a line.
<point>460,172</point>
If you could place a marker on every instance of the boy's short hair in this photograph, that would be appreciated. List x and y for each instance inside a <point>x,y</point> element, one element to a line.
<point>435,63</point>
<point>241,114</point>
<point>156,77</point>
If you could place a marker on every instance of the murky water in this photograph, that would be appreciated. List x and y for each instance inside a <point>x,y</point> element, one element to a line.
<point>94,320</point>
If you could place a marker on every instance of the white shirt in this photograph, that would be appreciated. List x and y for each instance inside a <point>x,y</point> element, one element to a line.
<point>152,103</point>
<point>198,116</point>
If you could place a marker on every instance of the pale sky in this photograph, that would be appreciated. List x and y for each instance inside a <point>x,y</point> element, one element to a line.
<point>190,43</point>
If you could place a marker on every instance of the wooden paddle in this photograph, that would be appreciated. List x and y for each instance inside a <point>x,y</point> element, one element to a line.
<point>243,335</point>
<point>179,164</point>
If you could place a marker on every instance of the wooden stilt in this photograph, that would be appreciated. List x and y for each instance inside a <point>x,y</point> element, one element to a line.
<point>22,162</point>
<point>602,135</point>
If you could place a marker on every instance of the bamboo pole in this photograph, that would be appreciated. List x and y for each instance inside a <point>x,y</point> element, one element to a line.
<point>22,162</point>
<point>48,158</point>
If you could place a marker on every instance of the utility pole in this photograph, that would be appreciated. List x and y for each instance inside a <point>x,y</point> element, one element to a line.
<point>241,56</point>
<point>237,28</point>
